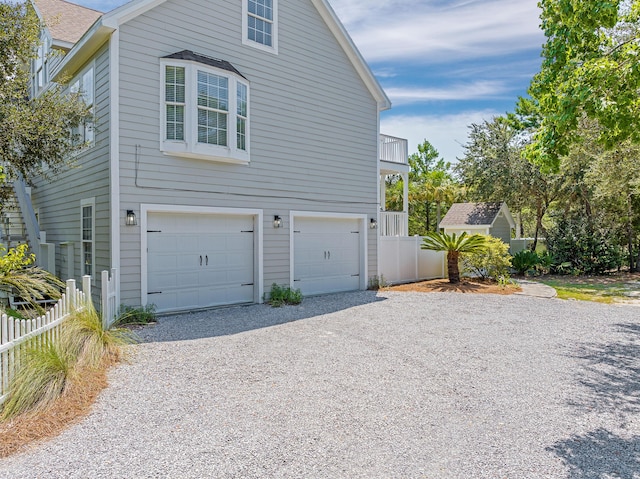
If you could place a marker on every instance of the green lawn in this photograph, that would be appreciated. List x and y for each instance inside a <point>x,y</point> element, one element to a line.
<point>604,292</point>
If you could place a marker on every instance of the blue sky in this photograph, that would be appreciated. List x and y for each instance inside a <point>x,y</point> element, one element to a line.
<point>444,63</point>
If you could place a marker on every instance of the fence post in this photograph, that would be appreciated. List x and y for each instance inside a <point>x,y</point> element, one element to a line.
<point>71,295</point>
<point>86,289</point>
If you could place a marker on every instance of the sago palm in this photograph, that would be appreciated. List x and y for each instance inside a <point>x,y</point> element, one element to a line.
<point>454,246</point>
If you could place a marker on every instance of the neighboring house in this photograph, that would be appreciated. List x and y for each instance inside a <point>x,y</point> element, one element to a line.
<point>479,218</point>
<point>236,144</point>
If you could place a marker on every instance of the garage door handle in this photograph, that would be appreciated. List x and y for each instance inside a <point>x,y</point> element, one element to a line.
<point>206,259</point>
<point>325,255</point>
<point>200,260</point>
<point>329,254</point>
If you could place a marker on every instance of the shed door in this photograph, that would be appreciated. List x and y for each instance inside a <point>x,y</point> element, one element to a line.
<point>326,255</point>
<point>199,260</point>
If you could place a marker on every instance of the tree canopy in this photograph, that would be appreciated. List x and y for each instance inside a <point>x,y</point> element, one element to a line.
<point>37,133</point>
<point>590,69</point>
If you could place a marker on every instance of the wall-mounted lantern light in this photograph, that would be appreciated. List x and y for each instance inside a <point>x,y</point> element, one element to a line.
<point>373,223</point>
<point>131,218</point>
<point>277,222</point>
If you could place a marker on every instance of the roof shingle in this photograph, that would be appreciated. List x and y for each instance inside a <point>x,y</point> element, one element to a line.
<point>475,214</point>
<point>66,21</point>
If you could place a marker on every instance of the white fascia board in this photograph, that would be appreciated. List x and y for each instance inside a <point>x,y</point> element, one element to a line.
<point>335,25</point>
<point>129,11</point>
<point>99,33</point>
<point>83,50</point>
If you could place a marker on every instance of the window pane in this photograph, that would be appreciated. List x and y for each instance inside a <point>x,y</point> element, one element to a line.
<point>175,122</point>
<point>212,127</point>
<point>87,259</point>
<point>260,31</point>
<point>261,8</point>
<point>242,134</point>
<point>242,100</point>
<point>174,84</point>
<point>87,87</point>
<point>213,91</point>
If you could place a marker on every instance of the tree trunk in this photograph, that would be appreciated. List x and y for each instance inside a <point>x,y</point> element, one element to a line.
<point>630,238</point>
<point>438,213</point>
<point>452,266</point>
<point>428,218</point>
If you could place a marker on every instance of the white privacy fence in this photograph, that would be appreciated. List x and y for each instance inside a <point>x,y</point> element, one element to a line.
<point>402,261</point>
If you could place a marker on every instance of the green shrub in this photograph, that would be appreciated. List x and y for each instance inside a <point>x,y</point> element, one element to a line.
<point>586,244</point>
<point>41,379</point>
<point>376,282</point>
<point>491,262</point>
<point>525,261</point>
<point>141,315</point>
<point>281,295</point>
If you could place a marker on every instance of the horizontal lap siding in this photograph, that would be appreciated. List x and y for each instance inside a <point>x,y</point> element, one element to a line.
<point>59,200</point>
<point>313,126</point>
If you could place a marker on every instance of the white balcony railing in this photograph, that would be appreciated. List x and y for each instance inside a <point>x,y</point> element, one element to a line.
<point>394,150</point>
<point>394,223</point>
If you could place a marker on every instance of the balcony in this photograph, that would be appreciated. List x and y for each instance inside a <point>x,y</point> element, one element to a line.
<point>393,223</point>
<point>394,155</point>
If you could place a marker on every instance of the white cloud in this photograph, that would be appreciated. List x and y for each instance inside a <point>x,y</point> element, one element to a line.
<point>469,91</point>
<point>423,32</point>
<point>448,133</point>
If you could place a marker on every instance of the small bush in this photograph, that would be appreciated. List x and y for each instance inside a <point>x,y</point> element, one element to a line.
<point>141,315</point>
<point>377,282</point>
<point>492,262</point>
<point>40,380</point>
<point>281,295</point>
<point>525,261</point>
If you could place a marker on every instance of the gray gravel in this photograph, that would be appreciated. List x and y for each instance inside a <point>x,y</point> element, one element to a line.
<point>358,385</point>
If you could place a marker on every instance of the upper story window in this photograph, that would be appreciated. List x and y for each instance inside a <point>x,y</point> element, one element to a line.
<point>260,25</point>
<point>39,66</point>
<point>85,85</point>
<point>205,109</point>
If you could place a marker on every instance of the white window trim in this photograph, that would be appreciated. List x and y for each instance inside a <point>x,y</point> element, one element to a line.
<point>190,147</point>
<point>83,203</point>
<point>78,77</point>
<point>274,32</point>
<point>41,60</point>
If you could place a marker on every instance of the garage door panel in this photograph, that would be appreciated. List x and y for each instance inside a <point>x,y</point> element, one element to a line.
<point>199,260</point>
<point>327,255</point>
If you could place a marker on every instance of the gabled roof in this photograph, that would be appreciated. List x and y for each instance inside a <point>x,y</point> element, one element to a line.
<point>66,21</point>
<point>475,214</point>
<point>96,33</point>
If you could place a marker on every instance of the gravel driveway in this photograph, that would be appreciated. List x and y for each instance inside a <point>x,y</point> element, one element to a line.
<point>359,385</point>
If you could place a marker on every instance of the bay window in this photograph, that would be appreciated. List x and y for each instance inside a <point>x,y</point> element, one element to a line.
<point>205,109</point>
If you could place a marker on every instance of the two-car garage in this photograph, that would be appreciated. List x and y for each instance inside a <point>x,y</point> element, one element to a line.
<point>203,257</point>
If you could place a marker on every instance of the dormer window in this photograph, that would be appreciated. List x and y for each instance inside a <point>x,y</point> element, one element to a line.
<point>205,109</point>
<point>260,26</point>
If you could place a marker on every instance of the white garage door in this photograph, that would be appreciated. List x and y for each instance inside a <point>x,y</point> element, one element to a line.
<point>199,260</point>
<point>326,255</point>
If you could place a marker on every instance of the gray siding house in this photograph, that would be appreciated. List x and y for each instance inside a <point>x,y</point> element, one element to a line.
<point>235,144</point>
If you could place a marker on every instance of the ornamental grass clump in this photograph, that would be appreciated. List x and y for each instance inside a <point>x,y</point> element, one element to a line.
<point>85,337</point>
<point>43,377</point>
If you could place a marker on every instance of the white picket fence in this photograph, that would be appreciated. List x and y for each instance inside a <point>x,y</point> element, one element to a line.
<point>109,298</point>
<point>16,335</point>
